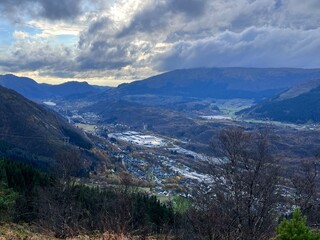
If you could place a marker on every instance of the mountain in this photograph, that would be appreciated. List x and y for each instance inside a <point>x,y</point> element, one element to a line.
<point>73,89</point>
<point>33,90</point>
<point>29,129</point>
<point>25,86</point>
<point>299,104</point>
<point>223,83</point>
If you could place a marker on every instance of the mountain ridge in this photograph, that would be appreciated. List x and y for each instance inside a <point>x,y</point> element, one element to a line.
<point>299,104</point>
<point>29,88</point>
<point>254,83</point>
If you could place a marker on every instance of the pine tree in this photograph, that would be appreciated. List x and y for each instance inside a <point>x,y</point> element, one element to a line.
<point>296,228</point>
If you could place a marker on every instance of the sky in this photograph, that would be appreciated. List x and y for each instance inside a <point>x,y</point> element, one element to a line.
<point>108,42</point>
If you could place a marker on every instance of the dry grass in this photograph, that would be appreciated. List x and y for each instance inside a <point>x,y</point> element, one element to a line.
<point>25,232</point>
<point>20,232</point>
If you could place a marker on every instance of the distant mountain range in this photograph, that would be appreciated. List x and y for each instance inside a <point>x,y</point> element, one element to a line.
<point>28,130</point>
<point>181,86</point>
<point>33,90</point>
<point>222,83</point>
<point>299,104</point>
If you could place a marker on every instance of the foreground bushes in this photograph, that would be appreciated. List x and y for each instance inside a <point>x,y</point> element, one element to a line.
<point>69,209</point>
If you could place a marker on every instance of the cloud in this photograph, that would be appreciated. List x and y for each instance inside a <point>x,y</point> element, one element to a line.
<point>37,55</point>
<point>137,38</point>
<point>20,35</point>
<point>56,10</point>
<point>194,8</point>
<point>253,47</point>
<point>301,14</point>
<point>108,44</point>
<point>154,16</point>
<point>48,9</point>
<point>49,29</point>
<point>98,49</point>
<point>200,33</point>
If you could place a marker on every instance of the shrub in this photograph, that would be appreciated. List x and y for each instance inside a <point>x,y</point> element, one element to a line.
<point>296,228</point>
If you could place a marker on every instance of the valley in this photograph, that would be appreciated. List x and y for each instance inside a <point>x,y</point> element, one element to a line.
<point>160,120</point>
<point>168,142</point>
<point>162,150</point>
<point>172,155</point>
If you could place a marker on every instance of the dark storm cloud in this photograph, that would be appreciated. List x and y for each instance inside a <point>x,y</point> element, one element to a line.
<point>192,8</point>
<point>99,25</point>
<point>99,49</point>
<point>104,55</point>
<point>104,46</point>
<point>158,15</point>
<point>56,10</point>
<point>99,30</point>
<point>149,20</point>
<point>48,9</point>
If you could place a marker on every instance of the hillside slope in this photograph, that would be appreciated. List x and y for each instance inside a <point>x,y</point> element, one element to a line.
<point>299,104</point>
<point>137,115</point>
<point>33,128</point>
<point>224,83</point>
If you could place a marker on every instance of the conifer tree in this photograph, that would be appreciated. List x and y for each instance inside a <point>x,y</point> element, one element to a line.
<point>296,228</point>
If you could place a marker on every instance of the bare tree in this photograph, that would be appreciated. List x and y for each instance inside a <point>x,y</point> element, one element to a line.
<point>306,189</point>
<point>69,164</point>
<point>244,189</point>
<point>58,209</point>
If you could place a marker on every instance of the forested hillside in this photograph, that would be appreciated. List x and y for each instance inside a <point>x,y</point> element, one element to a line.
<point>297,105</point>
<point>33,133</point>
